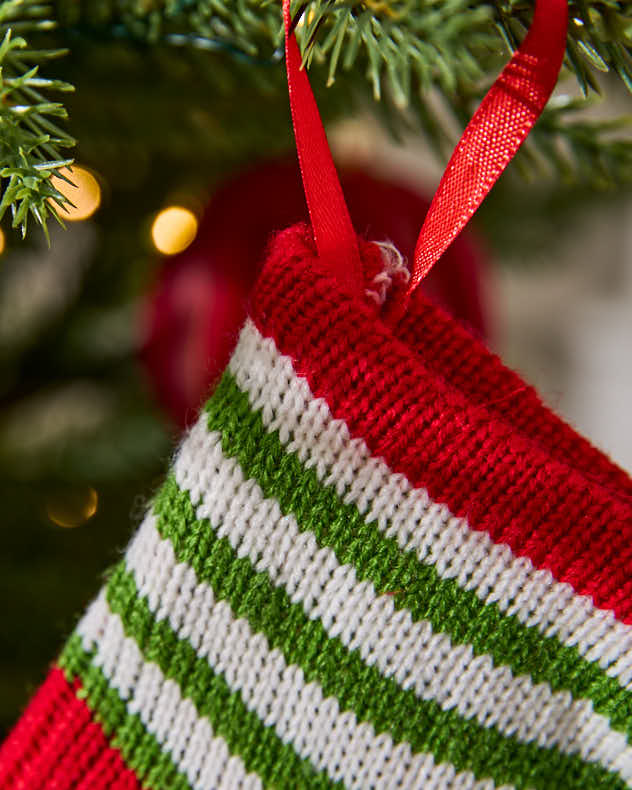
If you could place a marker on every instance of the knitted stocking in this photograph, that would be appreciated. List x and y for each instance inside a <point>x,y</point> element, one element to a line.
<point>378,561</point>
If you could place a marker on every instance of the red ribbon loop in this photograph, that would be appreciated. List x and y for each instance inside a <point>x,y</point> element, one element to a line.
<point>497,129</point>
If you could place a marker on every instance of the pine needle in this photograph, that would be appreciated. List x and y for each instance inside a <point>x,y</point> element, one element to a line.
<point>401,52</point>
<point>30,143</point>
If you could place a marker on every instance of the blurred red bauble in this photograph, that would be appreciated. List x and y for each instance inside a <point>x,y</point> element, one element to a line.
<point>193,314</point>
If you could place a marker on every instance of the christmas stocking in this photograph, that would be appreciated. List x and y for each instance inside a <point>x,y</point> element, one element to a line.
<point>378,561</point>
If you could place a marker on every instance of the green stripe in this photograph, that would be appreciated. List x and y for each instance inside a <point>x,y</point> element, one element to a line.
<point>413,584</point>
<point>259,747</point>
<point>140,749</point>
<point>342,673</point>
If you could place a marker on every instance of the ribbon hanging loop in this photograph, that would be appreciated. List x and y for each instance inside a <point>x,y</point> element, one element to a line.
<point>491,139</point>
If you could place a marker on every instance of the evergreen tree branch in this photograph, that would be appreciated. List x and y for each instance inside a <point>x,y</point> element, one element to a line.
<point>581,149</point>
<point>402,51</point>
<point>31,140</point>
<point>443,42</point>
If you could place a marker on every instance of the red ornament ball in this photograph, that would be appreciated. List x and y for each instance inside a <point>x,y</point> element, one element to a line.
<point>193,313</point>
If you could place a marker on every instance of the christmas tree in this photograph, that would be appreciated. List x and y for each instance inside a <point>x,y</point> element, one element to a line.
<point>131,113</point>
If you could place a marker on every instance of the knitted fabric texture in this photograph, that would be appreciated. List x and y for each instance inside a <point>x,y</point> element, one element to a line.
<point>377,561</point>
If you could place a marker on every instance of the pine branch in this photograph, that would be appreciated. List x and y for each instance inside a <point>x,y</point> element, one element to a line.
<point>442,42</point>
<point>402,51</point>
<point>31,141</point>
<point>581,149</point>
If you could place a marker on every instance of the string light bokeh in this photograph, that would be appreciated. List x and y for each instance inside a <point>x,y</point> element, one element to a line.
<point>72,507</point>
<point>174,229</point>
<point>84,193</point>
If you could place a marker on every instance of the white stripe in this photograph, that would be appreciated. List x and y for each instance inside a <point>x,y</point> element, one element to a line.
<point>307,427</point>
<point>197,753</point>
<point>300,713</point>
<point>384,636</point>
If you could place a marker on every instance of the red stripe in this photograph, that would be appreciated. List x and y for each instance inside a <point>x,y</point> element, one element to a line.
<point>57,745</point>
<point>466,457</point>
<point>449,350</point>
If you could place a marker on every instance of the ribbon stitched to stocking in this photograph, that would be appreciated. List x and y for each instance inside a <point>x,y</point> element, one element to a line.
<point>331,223</point>
<point>497,129</point>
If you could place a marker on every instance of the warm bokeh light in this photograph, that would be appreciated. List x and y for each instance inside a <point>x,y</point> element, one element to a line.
<point>72,507</point>
<point>174,229</point>
<point>85,194</point>
<point>3,241</point>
